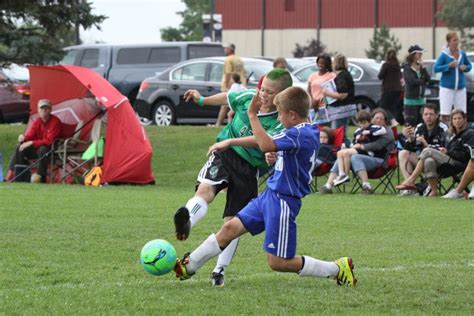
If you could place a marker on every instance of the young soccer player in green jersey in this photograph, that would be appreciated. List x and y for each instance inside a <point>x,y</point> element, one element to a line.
<point>235,168</point>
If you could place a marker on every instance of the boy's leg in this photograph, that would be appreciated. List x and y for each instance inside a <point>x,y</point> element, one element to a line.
<point>210,248</point>
<point>243,187</point>
<point>280,243</point>
<point>212,178</point>
<point>224,260</point>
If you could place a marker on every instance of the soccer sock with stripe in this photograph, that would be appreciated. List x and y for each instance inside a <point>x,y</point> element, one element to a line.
<point>226,256</point>
<point>315,267</point>
<point>203,253</point>
<point>197,208</point>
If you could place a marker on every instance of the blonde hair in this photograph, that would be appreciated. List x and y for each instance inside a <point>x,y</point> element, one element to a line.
<point>294,99</point>
<point>340,62</point>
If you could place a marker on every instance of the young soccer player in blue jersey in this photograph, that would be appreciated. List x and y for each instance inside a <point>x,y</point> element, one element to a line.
<point>275,210</point>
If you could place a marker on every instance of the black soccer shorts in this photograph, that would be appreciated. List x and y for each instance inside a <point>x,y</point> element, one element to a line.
<point>226,169</point>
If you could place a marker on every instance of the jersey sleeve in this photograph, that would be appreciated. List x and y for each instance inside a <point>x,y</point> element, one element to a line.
<point>286,140</point>
<point>238,101</point>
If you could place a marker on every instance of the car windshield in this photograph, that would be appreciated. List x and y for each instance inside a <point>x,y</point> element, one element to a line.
<point>16,72</point>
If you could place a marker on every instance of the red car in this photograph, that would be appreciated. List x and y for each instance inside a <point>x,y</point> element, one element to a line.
<point>14,94</point>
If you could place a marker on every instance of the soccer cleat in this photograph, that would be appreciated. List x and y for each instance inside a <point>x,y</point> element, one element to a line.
<point>180,268</point>
<point>341,180</point>
<point>217,279</point>
<point>345,275</point>
<point>182,223</point>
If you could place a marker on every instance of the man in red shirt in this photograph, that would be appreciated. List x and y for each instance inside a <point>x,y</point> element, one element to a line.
<point>37,141</point>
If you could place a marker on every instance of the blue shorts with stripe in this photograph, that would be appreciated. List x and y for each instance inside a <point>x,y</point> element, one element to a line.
<point>276,215</point>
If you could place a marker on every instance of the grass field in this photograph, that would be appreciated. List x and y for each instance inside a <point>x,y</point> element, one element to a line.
<point>75,250</point>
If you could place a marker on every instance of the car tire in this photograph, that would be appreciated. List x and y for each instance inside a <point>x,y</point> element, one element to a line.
<point>363,104</point>
<point>164,114</point>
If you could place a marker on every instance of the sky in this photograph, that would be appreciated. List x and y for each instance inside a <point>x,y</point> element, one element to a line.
<point>133,21</point>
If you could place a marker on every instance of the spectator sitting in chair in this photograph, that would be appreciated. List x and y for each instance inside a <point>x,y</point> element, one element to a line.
<point>362,162</point>
<point>430,133</point>
<point>453,158</point>
<point>36,142</point>
<point>327,150</point>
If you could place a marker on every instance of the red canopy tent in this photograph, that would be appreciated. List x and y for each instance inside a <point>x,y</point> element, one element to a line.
<point>127,151</point>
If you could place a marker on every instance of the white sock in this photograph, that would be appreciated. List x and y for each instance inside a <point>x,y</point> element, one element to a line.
<point>197,208</point>
<point>315,267</point>
<point>226,256</point>
<point>366,184</point>
<point>342,174</point>
<point>203,253</point>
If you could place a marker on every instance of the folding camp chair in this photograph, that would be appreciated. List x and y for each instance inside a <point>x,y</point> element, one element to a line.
<point>325,167</point>
<point>70,153</point>
<point>384,174</point>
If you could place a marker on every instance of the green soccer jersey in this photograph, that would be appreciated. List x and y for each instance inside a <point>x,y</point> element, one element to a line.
<point>240,126</point>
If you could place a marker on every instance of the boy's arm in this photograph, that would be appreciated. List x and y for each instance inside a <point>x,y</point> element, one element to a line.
<point>264,141</point>
<point>216,99</point>
<point>248,141</point>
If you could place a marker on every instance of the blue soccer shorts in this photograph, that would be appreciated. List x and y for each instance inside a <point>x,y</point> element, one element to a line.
<point>276,215</point>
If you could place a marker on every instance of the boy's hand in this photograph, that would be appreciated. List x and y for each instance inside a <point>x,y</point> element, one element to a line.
<point>192,95</point>
<point>255,105</point>
<point>270,158</point>
<point>365,132</point>
<point>220,146</point>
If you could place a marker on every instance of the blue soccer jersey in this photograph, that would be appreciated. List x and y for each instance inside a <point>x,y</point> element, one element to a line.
<point>297,148</point>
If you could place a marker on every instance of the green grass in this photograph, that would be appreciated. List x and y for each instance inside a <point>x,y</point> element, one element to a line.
<point>72,249</point>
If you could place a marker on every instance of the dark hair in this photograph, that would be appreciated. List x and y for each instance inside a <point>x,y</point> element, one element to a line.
<point>410,58</point>
<point>452,129</point>
<point>236,77</point>
<point>326,60</point>
<point>380,110</point>
<point>363,116</point>
<point>391,56</point>
<point>330,134</point>
<point>430,106</point>
<point>293,99</point>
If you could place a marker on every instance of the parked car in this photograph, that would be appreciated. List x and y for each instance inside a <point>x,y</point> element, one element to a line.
<point>125,66</point>
<point>368,88</point>
<point>432,89</point>
<point>14,94</point>
<point>160,98</point>
<point>293,63</point>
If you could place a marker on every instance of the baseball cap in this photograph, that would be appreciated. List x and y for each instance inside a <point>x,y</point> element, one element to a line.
<point>415,49</point>
<point>229,45</point>
<point>43,103</point>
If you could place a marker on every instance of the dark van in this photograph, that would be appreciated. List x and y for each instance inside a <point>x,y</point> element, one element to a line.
<point>125,66</point>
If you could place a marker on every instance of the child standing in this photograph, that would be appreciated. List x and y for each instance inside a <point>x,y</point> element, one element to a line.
<point>275,210</point>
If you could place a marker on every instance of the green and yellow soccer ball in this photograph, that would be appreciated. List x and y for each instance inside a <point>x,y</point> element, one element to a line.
<point>158,257</point>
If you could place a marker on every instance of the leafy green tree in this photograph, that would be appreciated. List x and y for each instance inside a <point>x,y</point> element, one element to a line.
<point>191,28</point>
<point>35,31</point>
<point>314,48</point>
<point>381,41</point>
<point>458,15</point>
